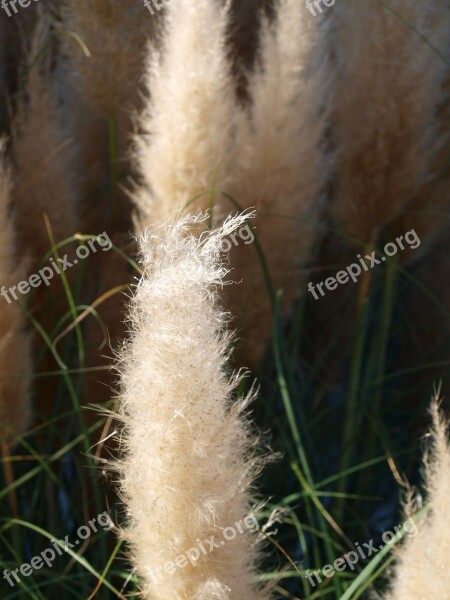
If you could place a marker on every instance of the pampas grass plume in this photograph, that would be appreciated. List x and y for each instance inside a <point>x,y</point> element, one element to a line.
<point>190,456</point>
<point>187,128</point>
<point>104,44</point>
<point>423,562</point>
<point>282,168</point>
<point>44,157</point>
<point>389,85</point>
<point>107,61</point>
<point>15,346</point>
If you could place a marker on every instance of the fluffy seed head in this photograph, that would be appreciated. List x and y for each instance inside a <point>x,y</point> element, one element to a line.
<point>190,456</point>
<point>423,562</point>
<point>44,156</point>
<point>186,141</point>
<point>389,88</point>
<point>282,167</point>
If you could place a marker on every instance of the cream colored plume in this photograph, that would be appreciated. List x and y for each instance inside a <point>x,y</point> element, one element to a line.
<point>423,562</point>
<point>186,144</point>
<point>282,168</point>
<point>389,88</point>
<point>190,456</point>
<point>15,346</point>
